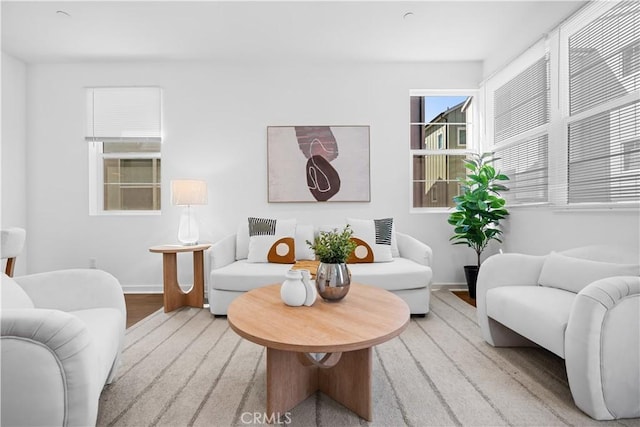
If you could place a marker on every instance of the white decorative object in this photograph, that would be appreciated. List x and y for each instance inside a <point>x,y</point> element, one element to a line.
<point>310,287</point>
<point>293,291</point>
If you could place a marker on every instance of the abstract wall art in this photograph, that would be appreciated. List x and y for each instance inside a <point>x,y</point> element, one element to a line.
<point>318,163</point>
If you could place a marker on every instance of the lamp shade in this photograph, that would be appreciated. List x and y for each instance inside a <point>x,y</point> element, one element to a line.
<point>187,192</point>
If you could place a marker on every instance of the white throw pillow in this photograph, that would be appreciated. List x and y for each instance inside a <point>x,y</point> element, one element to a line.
<point>373,237</point>
<point>573,274</point>
<point>304,232</point>
<point>272,240</point>
<point>242,241</point>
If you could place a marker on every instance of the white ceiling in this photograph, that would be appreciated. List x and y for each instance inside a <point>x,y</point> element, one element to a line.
<point>290,31</point>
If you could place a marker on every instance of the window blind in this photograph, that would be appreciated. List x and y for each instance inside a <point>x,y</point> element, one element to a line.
<point>522,103</point>
<point>604,146</point>
<point>124,114</point>
<point>604,58</point>
<point>526,165</point>
<point>604,156</point>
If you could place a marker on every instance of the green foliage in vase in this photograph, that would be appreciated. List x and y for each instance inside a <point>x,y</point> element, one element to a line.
<point>333,247</point>
<point>479,208</point>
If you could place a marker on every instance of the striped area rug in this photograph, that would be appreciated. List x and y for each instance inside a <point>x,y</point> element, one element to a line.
<point>188,368</point>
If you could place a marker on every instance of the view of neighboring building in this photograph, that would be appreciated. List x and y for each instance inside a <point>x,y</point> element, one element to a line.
<point>436,174</point>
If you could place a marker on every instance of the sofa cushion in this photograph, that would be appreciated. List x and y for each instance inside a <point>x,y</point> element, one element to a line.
<point>573,274</point>
<point>104,325</point>
<point>12,294</point>
<point>244,276</point>
<point>535,312</point>
<point>373,237</point>
<point>272,240</point>
<point>401,273</point>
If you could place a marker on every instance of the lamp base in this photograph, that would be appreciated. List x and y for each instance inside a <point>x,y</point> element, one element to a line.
<point>188,232</point>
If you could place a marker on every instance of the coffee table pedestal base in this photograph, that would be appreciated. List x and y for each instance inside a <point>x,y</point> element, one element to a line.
<point>290,381</point>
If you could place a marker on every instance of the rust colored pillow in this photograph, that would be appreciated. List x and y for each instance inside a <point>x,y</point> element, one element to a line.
<point>361,254</point>
<point>283,251</point>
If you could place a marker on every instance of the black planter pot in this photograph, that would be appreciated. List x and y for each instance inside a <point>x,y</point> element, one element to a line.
<point>471,274</point>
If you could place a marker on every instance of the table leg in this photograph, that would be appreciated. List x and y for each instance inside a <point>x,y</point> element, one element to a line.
<point>174,297</point>
<point>289,381</point>
<point>195,297</point>
<point>349,382</point>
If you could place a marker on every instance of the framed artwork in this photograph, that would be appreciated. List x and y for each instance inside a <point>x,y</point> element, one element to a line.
<point>318,163</point>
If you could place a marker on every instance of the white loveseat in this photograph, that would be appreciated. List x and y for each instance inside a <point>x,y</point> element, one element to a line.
<point>62,335</point>
<point>570,304</point>
<point>408,275</point>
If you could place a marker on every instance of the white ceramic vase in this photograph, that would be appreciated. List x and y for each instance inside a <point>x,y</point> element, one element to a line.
<point>293,291</point>
<point>310,286</point>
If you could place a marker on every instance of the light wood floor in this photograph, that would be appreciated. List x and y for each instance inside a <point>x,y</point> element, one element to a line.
<point>140,306</point>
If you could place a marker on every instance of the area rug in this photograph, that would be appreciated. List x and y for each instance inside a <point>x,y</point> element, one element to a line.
<point>188,368</point>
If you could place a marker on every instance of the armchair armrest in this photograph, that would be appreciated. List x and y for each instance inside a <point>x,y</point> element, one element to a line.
<point>70,290</point>
<point>48,363</point>
<point>413,249</point>
<point>602,348</point>
<point>503,270</point>
<point>223,252</point>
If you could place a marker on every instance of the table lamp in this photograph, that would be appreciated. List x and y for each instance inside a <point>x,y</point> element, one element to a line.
<point>188,192</point>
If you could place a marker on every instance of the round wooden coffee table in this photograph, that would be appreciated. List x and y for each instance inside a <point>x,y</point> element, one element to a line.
<point>345,330</point>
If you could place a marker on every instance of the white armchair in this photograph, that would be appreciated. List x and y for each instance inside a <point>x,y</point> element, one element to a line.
<point>11,243</point>
<point>62,335</point>
<point>570,304</point>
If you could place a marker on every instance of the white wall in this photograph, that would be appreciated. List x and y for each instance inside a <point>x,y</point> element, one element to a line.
<point>540,230</point>
<point>215,119</point>
<point>14,149</point>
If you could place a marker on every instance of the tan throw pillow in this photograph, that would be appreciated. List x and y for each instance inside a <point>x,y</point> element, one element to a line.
<point>272,240</point>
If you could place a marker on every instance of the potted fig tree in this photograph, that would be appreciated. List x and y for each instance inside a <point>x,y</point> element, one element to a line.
<point>478,210</point>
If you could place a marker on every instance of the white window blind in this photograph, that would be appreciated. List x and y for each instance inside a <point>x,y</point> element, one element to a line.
<point>604,94</point>
<point>527,166</point>
<point>124,114</point>
<point>521,109</point>
<point>604,156</point>
<point>604,58</point>
<point>522,103</point>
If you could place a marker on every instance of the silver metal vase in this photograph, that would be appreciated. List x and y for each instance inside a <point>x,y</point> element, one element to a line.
<point>333,281</point>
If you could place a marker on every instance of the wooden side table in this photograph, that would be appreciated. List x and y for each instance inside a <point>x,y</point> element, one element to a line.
<point>174,297</point>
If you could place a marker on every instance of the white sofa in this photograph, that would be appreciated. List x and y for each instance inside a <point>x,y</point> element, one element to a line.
<point>62,335</point>
<point>569,304</point>
<point>408,275</point>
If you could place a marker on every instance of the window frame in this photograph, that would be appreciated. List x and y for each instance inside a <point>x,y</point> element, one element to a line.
<point>472,141</point>
<point>96,180</point>
<point>555,44</point>
<point>526,60</point>
<point>560,199</point>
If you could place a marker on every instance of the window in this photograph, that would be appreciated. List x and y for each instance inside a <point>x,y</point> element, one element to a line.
<point>438,145</point>
<point>521,111</point>
<point>462,136</point>
<point>603,107</point>
<point>124,136</point>
<point>564,117</point>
